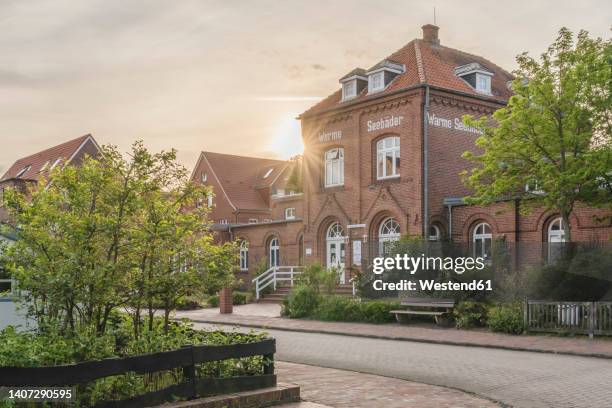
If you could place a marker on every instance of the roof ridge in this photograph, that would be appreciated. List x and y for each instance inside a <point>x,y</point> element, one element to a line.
<point>242,156</point>
<point>419,60</point>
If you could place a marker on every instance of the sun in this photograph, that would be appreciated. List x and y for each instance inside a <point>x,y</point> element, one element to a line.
<point>287,138</point>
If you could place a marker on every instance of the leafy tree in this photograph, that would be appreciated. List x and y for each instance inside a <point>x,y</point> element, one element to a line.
<point>555,133</point>
<point>295,182</point>
<point>113,233</point>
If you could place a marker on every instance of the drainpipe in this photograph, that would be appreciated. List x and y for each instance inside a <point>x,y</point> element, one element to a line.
<point>450,223</point>
<point>426,162</point>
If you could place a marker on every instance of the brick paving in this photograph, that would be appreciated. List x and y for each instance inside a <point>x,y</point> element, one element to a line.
<point>348,389</point>
<point>599,347</point>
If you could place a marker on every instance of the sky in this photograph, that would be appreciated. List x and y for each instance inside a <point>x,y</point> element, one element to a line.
<point>228,76</point>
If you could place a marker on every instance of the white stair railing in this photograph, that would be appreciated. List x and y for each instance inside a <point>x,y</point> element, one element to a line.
<point>276,274</point>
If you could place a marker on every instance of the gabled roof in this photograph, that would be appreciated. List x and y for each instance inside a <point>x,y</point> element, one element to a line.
<point>240,177</point>
<point>427,63</point>
<point>39,163</point>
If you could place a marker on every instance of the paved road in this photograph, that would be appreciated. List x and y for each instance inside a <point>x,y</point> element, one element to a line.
<point>516,378</point>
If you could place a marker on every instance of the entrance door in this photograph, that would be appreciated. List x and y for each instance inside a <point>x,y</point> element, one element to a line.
<point>336,250</point>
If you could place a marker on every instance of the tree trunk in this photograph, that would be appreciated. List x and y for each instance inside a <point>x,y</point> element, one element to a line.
<point>565,216</point>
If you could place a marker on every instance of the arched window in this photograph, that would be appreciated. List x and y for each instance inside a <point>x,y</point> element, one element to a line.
<point>388,232</point>
<point>334,167</point>
<point>244,255</point>
<point>482,239</point>
<point>556,238</point>
<point>274,252</point>
<point>335,243</point>
<point>435,234</point>
<point>388,157</point>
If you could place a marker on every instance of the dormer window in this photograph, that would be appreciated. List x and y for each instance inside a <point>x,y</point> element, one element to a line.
<point>268,173</point>
<point>353,83</point>
<point>483,83</point>
<point>381,75</point>
<point>477,76</point>
<point>376,82</point>
<point>58,161</point>
<point>23,171</point>
<point>44,166</point>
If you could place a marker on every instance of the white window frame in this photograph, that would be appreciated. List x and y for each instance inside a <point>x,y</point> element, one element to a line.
<point>374,76</point>
<point>381,154</point>
<point>290,213</point>
<point>334,167</point>
<point>274,252</point>
<point>209,200</point>
<point>253,221</point>
<point>555,237</point>
<point>223,221</point>
<point>349,90</point>
<point>204,177</point>
<point>485,86</point>
<point>388,231</point>
<point>479,240</point>
<point>268,173</point>
<point>244,255</point>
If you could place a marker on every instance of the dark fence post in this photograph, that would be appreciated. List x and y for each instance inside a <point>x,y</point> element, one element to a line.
<point>189,371</point>
<point>269,361</point>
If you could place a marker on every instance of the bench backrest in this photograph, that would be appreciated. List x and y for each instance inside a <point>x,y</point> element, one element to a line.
<point>428,302</point>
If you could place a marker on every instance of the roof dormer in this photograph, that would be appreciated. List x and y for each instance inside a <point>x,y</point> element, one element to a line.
<point>381,75</point>
<point>477,76</point>
<point>353,83</point>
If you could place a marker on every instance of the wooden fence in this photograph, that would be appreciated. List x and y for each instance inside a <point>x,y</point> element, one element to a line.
<point>592,318</point>
<point>185,358</point>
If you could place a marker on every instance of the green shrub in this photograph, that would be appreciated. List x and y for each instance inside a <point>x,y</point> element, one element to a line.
<point>302,302</point>
<point>378,311</point>
<point>506,319</point>
<point>470,314</point>
<point>339,309</point>
<point>239,298</point>
<point>213,301</point>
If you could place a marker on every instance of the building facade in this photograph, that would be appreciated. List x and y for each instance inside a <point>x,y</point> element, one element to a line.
<point>383,157</point>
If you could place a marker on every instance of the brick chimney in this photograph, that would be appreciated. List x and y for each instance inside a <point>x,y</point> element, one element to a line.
<point>430,34</point>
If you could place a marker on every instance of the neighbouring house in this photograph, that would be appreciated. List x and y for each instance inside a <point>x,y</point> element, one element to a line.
<point>24,174</point>
<point>27,171</point>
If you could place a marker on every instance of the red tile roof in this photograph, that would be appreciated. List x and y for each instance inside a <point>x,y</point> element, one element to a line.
<point>45,158</point>
<point>241,176</point>
<point>432,64</point>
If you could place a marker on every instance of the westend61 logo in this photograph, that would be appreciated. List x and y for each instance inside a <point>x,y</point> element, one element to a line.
<point>412,265</point>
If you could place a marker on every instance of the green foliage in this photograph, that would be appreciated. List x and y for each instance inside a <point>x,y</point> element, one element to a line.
<point>470,314</point>
<point>239,298</point>
<point>507,318</point>
<point>301,302</point>
<point>304,301</point>
<point>213,301</point>
<point>112,233</point>
<point>555,133</point>
<point>317,277</point>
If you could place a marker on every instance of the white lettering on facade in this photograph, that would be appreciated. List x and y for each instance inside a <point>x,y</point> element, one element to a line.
<point>329,136</point>
<point>455,123</point>
<point>384,123</point>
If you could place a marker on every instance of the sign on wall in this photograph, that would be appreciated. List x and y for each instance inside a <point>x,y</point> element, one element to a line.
<point>330,136</point>
<point>453,124</point>
<point>384,123</point>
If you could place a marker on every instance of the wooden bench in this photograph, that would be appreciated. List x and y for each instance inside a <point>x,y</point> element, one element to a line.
<point>442,308</point>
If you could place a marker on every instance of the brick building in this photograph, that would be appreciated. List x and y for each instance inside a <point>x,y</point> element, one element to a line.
<point>383,158</point>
